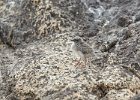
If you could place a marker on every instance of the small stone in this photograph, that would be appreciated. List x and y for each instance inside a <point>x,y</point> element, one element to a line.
<point>136,66</point>
<point>124,21</point>
<point>136,97</point>
<point>137,18</point>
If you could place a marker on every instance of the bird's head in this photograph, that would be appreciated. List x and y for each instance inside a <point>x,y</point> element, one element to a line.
<point>76,39</point>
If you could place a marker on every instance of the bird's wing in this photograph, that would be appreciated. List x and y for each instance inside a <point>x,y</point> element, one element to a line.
<point>86,49</point>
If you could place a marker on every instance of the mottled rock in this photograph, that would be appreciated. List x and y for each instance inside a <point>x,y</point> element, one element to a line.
<point>123,94</point>
<point>124,21</point>
<point>136,97</point>
<point>42,67</point>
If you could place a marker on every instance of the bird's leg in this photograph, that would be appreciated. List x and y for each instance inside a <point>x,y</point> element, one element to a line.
<point>78,62</point>
<point>85,62</point>
<point>82,64</point>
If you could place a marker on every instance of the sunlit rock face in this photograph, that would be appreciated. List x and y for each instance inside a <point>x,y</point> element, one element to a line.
<point>36,60</point>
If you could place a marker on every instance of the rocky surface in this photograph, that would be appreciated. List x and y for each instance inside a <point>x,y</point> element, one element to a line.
<point>36,60</point>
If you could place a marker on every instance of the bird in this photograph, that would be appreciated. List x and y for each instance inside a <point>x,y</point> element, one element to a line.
<point>81,49</point>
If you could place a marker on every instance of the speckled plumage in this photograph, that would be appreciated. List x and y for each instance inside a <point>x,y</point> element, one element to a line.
<point>82,49</point>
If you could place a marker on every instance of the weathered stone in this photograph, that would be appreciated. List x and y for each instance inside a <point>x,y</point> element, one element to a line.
<point>42,65</point>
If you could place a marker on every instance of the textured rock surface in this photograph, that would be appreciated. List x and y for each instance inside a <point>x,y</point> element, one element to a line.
<point>36,60</point>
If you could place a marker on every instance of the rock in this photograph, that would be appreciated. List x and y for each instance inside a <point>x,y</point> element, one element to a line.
<point>123,94</point>
<point>124,21</point>
<point>136,97</point>
<point>42,67</point>
<point>137,17</point>
<point>1,3</point>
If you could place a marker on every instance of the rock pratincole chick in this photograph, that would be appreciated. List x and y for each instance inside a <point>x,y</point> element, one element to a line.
<point>82,50</point>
